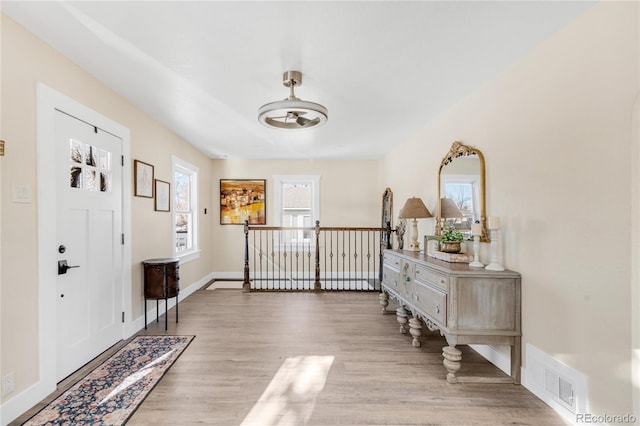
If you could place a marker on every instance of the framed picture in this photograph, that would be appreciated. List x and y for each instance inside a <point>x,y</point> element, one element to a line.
<point>163,191</point>
<point>143,178</point>
<point>242,199</point>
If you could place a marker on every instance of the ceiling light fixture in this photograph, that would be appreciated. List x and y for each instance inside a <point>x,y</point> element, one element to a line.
<point>292,113</point>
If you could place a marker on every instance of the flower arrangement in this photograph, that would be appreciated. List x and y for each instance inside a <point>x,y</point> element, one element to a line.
<point>451,234</point>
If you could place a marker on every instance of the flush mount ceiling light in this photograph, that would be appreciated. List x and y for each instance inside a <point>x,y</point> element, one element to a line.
<point>292,113</point>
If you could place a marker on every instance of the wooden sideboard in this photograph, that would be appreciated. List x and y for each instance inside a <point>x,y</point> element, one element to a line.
<point>468,305</point>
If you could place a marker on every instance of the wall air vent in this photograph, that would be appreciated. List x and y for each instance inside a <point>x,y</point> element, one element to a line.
<point>561,387</point>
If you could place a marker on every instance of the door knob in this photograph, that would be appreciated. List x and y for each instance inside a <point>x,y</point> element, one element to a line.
<point>63,267</point>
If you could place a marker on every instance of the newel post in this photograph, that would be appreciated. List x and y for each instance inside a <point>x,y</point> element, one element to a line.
<point>246,284</point>
<point>316,285</point>
<point>389,230</point>
<point>385,243</point>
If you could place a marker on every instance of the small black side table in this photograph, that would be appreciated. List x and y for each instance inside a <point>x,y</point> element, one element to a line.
<point>161,281</point>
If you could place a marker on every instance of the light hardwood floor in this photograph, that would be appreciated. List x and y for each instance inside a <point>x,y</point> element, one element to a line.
<point>327,359</point>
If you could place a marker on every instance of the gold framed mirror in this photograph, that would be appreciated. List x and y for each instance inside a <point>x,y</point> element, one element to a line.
<point>461,191</point>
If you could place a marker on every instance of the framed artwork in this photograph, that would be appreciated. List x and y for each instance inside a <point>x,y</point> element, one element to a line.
<point>163,192</point>
<point>241,200</point>
<point>143,178</point>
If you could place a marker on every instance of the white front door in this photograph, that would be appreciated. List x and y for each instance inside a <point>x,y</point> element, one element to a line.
<point>88,230</point>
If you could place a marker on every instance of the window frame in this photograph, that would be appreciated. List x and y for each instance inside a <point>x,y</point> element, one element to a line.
<point>180,165</point>
<point>474,182</point>
<point>278,210</point>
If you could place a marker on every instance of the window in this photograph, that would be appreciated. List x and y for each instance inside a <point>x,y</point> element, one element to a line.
<point>463,190</point>
<point>185,211</point>
<point>297,204</point>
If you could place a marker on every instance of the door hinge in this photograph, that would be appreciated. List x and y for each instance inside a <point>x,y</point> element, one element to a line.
<point>122,242</point>
<point>122,160</point>
<point>122,316</point>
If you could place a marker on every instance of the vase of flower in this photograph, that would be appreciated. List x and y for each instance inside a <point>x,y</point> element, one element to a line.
<point>451,240</point>
<point>450,246</point>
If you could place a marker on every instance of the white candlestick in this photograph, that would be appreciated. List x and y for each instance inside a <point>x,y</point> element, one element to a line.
<point>494,222</point>
<point>476,249</point>
<point>494,265</point>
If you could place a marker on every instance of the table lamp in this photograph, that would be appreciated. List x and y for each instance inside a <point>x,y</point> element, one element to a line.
<point>414,209</point>
<point>448,209</point>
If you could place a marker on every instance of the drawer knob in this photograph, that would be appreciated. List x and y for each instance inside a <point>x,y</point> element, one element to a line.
<point>437,309</point>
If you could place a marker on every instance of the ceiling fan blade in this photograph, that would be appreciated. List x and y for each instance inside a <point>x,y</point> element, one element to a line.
<point>303,121</point>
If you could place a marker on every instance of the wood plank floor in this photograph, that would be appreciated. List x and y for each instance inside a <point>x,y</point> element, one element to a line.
<point>326,359</point>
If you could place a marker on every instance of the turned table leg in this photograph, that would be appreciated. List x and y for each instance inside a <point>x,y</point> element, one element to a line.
<point>384,301</point>
<point>415,329</point>
<point>401,316</point>
<point>452,357</point>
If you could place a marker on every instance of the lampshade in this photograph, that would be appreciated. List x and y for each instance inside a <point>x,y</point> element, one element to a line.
<point>414,208</point>
<point>448,208</point>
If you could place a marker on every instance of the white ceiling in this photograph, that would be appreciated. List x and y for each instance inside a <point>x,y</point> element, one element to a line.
<point>383,69</point>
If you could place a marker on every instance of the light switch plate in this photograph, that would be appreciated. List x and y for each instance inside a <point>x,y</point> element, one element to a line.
<point>21,193</point>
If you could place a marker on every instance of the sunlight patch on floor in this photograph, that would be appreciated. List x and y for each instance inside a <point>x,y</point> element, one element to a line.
<point>291,396</point>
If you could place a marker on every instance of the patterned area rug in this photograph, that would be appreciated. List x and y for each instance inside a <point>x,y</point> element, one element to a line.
<point>111,393</point>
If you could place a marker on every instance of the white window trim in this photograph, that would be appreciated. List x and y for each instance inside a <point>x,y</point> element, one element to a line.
<point>278,180</point>
<point>194,253</point>
<point>276,211</point>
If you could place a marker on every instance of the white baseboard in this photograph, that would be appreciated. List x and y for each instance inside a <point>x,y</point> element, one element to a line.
<point>22,402</point>
<point>542,376</point>
<point>228,276</point>
<point>184,293</point>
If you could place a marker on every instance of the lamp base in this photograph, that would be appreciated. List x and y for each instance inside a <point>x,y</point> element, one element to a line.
<point>494,267</point>
<point>414,246</point>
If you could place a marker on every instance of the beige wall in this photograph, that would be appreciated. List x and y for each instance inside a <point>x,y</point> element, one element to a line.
<point>555,130</point>
<point>556,133</point>
<point>349,196</point>
<point>27,61</point>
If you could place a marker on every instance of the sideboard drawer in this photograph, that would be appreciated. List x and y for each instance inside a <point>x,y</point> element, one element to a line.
<point>400,283</point>
<point>390,276</point>
<point>392,261</point>
<point>426,275</point>
<point>431,301</point>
